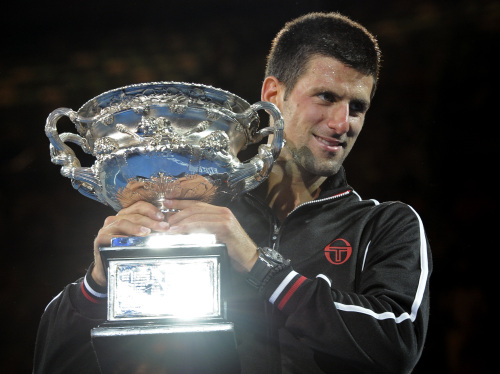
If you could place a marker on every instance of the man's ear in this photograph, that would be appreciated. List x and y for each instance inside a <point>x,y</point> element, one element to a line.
<point>271,90</point>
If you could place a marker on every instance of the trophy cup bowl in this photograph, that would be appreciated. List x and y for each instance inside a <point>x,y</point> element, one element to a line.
<point>166,140</point>
<point>152,142</point>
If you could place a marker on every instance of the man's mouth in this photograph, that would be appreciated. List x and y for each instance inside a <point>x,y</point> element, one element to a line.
<point>330,144</point>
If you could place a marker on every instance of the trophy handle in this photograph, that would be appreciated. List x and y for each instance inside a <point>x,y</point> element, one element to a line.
<point>258,168</point>
<point>82,178</point>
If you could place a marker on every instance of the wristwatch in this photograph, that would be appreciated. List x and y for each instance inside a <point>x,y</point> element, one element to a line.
<point>268,263</point>
<point>272,257</point>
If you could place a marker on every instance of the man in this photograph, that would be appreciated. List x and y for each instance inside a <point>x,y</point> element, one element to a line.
<point>350,293</point>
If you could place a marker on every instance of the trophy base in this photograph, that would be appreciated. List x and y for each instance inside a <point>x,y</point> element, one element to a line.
<point>173,349</point>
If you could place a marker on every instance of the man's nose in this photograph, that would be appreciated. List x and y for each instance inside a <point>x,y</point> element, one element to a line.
<point>339,118</point>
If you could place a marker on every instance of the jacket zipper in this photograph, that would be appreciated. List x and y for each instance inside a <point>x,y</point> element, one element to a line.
<point>321,200</point>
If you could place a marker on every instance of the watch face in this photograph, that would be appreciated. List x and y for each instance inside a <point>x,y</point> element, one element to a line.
<point>274,255</point>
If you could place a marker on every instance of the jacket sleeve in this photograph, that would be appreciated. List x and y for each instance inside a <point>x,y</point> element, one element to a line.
<point>381,326</point>
<point>63,342</point>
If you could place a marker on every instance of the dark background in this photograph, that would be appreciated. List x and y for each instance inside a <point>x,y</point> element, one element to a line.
<point>429,139</point>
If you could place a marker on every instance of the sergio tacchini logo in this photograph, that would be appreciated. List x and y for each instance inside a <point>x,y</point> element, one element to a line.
<point>338,251</point>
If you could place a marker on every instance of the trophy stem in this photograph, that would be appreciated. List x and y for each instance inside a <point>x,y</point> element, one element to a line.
<point>159,205</point>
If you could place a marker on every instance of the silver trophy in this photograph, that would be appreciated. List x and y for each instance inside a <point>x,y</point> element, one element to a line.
<point>152,142</point>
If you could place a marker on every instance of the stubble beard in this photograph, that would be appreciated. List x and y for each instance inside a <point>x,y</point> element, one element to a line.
<point>306,161</point>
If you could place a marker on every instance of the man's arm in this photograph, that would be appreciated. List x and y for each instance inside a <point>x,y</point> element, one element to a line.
<point>381,326</point>
<point>63,340</point>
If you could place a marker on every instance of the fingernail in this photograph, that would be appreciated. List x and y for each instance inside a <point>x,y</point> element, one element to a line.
<point>160,215</point>
<point>145,230</point>
<point>164,225</point>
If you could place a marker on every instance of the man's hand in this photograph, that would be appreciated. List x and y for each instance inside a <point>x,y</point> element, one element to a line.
<point>139,219</point>
<point>198,217</point>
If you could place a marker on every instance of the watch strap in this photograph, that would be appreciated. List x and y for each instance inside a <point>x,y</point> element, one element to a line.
<point>264,269</point>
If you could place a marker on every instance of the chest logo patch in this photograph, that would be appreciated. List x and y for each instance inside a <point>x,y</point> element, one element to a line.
<point>338,251</point>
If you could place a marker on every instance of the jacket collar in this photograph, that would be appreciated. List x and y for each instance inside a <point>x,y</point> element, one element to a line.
<point>333,184</point>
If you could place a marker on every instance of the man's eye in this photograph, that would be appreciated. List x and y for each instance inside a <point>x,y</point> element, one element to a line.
<point>356,107</point>
<point>327,96</point>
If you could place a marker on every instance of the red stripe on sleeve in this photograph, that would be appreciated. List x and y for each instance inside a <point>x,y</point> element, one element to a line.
<point>290,292</point>
<point>88,296</point>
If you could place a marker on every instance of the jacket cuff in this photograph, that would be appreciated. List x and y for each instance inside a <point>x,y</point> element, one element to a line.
<point>283,288</point>
<point>88,298</point>
<point>92,291</point>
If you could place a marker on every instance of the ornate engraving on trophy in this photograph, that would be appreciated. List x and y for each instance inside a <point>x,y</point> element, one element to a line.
<point>217,141</point>
<point>104,145</point>
<point>107,120</point>
<point>153,126</point>
<point>123,129</point>
<point>156,190</point>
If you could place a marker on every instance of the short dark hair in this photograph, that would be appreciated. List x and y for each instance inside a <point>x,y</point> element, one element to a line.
<point>327,34</point>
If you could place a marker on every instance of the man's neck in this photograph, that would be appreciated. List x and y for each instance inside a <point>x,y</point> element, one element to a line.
<point>288,186</point>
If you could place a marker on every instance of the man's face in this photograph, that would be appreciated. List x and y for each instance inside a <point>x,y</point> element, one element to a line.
<point>324,114</point>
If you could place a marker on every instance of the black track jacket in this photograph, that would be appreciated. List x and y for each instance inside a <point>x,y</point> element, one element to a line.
<point>354,300</point>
